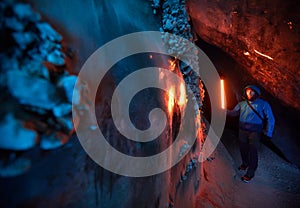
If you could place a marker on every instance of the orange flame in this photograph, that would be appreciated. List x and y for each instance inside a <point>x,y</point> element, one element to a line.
<point>173,96</point>
<point>171,101</point>
<point>182,97</point>
<point>172,64</point>
<point>176,94</point>
<point>161,76</point>
<point>222,95</point>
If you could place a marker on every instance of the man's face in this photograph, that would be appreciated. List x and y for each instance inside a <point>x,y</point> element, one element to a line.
<point>249,93</point>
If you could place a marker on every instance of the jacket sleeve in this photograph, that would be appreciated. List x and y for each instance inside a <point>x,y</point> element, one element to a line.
<point>235,111</point>
<point>270,119</point>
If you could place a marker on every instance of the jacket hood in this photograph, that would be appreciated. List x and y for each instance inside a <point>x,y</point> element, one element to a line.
<point>253,87</point>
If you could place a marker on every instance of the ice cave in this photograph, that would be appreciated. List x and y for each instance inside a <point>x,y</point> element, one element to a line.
<point>114,103</point>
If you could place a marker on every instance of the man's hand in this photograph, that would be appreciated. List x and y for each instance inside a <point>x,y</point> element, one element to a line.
<point>266,136</point>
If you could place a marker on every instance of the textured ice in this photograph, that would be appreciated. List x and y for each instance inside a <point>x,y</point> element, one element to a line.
<point>14,136</point>
<point>41,93</point>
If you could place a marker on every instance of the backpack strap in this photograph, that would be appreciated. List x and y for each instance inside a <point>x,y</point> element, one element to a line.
<point>255,111</point>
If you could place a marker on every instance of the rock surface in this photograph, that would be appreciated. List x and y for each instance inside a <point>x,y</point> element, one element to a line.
<point>14,136</point>
<point>33,91</point>
<point>263,36</point>
<point>94,185</point>
<point>34,103</point>
<point>175,21</point>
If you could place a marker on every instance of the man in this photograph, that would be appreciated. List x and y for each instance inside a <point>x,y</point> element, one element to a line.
<point>255,117</point>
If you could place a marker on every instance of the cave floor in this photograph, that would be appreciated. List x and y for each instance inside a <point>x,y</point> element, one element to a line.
<point>276,184</point>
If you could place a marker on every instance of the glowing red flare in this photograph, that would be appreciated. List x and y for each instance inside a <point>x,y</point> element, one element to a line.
<point>222,94</point>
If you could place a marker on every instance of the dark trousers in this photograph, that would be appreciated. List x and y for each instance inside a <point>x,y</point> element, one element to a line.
<point>249,143</point>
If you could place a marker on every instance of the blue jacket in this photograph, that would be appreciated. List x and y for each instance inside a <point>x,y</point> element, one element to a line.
<point>250,121</point>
